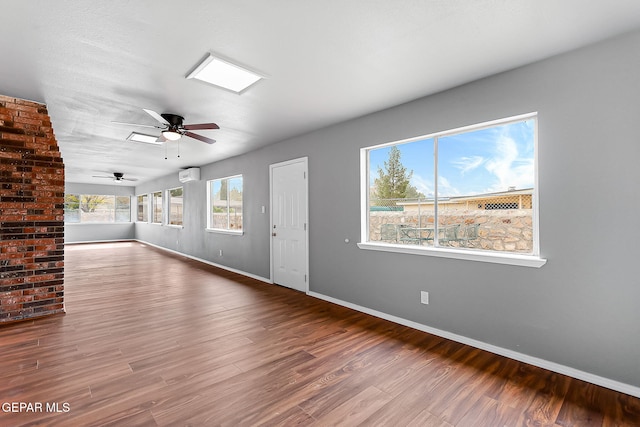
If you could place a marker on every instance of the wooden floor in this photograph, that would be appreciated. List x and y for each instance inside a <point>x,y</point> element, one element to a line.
<point>152,339</point>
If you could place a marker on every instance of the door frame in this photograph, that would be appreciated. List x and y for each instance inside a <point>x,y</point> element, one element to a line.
<point>305,161</point>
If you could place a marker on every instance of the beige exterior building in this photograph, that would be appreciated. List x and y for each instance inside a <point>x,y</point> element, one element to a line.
<point>511,199</point>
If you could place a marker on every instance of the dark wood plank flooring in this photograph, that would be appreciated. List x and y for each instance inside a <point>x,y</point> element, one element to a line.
<point>155,339</point>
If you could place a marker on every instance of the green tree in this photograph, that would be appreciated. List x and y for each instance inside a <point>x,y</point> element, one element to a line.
<point>393,181</point>
<point>71,202</point>
<point>89,203</point>
<point>223,190</point>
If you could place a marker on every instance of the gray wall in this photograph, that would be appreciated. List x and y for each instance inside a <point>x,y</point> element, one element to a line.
<point>81,233</point>
<point>580,310</point>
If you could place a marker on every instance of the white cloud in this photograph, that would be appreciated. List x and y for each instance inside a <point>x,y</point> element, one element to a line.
<point>425,186</point>
<point>466,164</point>
<point>509,169</point>
<point>445,188</point>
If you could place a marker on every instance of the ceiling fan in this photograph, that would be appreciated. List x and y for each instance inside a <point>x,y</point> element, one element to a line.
<point>173,128</point>
<point>117,176</point>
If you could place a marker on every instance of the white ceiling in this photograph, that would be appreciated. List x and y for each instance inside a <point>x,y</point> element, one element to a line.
<point>327,61</point>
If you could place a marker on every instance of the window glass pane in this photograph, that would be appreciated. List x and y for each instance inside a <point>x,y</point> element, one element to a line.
<point>401,191</point>
<point>219,207</point>
<point>143,206</point>
<point>157,207</point>
<point>71,208</point>
<point>225,203</point>
<point>485,188</point>
<point>96,208</point>
<point>123,209</point>
<point>235,203</point>
<point>175,206</point>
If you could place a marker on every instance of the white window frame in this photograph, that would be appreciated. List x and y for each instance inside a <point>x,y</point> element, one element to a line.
<point>148,210</point>
<point>115,204</point>
<point>152,208</point>
<point>533,260</point>
<point>210,227</point>
<point>168,207</point>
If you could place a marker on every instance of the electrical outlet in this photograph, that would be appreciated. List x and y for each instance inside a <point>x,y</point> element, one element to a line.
<point>220,253</point>
<point>424,297</point>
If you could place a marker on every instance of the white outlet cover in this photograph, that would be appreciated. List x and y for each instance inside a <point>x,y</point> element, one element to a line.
<point>424,297</point>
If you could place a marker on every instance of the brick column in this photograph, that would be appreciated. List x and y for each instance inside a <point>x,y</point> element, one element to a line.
<point>31,213</point>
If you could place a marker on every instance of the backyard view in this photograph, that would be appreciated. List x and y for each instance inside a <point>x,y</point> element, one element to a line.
<point>96,208</point>
<point>226,204</point>
<point>481,197</point>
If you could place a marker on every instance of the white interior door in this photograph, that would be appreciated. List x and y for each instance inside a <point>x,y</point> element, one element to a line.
<point>289,238</point>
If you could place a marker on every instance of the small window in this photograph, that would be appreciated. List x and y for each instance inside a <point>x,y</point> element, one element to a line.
<point>469,189</point>
<point>175,202</point>
<point>143,208</point>
<point>225,204</point>
<point>156,202</point>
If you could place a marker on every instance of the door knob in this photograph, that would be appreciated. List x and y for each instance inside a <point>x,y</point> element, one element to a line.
<point>273,234</point>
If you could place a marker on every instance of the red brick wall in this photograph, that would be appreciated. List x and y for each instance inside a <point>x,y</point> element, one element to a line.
<point>31,213</point>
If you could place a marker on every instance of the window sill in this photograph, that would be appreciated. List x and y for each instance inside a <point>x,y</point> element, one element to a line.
<point>220,231</point>
<point>493,257</point>
<point>97,223</point>
<point>175,226</point>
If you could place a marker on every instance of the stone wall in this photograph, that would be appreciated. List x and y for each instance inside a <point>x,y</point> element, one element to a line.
<point>508,230</point>
<point>31,213</point>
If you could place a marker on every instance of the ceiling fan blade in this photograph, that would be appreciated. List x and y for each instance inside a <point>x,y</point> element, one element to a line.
<point>157,116</point>
<point>201,126</point>
<point>200,137</point>
<point>138,124</point>
<point>100,176</point>
<point>128,179</point>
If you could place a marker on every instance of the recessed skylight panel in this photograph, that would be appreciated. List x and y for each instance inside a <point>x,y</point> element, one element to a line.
<point>224,74</point>
<point>141,137</point>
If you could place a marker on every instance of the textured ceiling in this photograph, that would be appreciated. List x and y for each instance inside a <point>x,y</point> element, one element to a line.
<point>325,61</point>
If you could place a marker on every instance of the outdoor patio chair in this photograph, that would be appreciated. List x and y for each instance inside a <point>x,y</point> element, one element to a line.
<point>469,234</point>
<point>389,232</point>
<point>448,234</point>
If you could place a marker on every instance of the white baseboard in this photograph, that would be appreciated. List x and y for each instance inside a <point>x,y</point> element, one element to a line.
<point>541,363</point>
<point>86,242</point>
<point>205,261</point>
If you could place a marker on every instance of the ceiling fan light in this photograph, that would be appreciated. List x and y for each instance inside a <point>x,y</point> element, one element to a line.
<point>171,135</point>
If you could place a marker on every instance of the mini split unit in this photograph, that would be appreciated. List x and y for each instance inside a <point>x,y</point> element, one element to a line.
<point>191,174</point>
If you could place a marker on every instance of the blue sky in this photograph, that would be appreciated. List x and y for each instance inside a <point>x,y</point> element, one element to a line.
<point>481,161</point>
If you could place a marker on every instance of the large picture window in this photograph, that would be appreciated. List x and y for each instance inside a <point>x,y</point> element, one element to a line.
<point>96,208</point>
<point>225,204</point>
<point>469,189</point>
<point>175,202</point>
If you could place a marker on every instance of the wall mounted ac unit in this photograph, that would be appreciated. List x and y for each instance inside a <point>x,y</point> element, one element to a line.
<point>191,174</point>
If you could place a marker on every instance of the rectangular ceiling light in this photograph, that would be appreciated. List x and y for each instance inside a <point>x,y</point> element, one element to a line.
<point>224,74</point>
<point>141,137</point>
